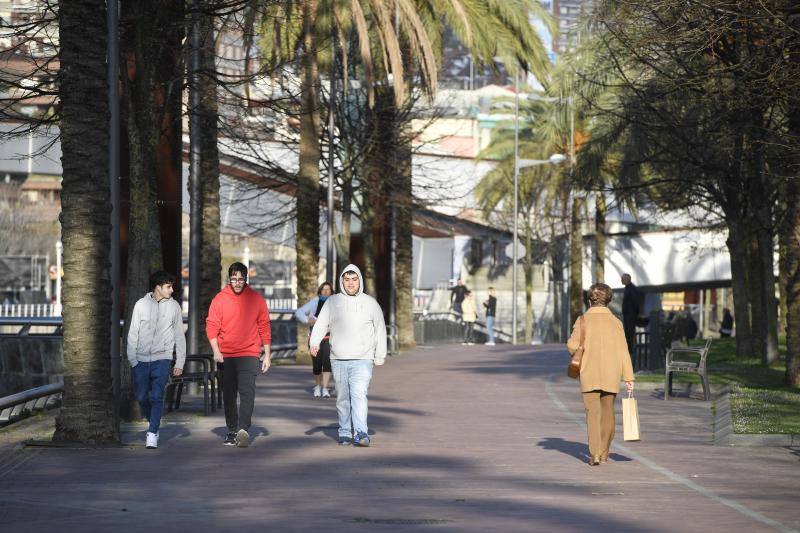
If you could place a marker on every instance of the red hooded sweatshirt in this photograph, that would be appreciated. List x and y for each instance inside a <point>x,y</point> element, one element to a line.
<point>239,322</point>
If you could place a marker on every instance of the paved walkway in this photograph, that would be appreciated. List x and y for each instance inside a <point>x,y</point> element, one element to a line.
<point>465,439</point>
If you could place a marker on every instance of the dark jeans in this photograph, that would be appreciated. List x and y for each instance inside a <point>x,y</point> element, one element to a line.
<point>239,377</point>
<point>322,362</point>
<point>150,380</point>
<point>457,306</point>
<point>468,331</point>
<point>629,325</point>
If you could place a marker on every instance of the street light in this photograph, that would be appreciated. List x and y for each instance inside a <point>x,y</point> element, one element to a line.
<point>554,159</point>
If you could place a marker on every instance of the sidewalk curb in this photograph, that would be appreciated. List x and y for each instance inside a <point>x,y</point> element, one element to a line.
<point>688,389</point>
<point>724,435</point>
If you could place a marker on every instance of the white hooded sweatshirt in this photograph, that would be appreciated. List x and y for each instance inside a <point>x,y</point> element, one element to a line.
<point>356,324</point>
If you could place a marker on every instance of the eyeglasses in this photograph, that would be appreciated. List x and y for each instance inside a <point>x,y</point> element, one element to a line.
<point>237,281</point>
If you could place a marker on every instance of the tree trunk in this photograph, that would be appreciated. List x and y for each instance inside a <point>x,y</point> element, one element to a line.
<point>600,238</point>
<point>404,283</point>
<point>88,414</point>
<point>736,249</point>
<point>783,277</point>
<point>147,84</point>
<point>766,250</point>
<point>210,254</point>
<point>755,291</point>
<point>527,268</point>
<point>791,236</point>
<point>576,261</point>
<point>342,237</point>
<point>308,197</point>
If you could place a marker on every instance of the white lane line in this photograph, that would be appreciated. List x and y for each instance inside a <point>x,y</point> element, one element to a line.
<point>652,465</point>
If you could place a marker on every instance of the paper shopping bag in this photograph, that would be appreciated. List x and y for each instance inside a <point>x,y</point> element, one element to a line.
<point>630,418</point>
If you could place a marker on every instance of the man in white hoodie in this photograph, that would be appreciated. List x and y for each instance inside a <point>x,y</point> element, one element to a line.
<point>358,341</point>
<point>156,331</point>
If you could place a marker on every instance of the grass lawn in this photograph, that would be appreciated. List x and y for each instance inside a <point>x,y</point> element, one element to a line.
<point>760,402</point>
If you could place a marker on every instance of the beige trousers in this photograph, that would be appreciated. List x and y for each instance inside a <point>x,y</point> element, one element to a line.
<point>600,421</point>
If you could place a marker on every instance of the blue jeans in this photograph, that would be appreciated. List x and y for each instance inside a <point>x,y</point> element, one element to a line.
<point>150,380</point>
<point>352,381</point>
<point>490,328</point>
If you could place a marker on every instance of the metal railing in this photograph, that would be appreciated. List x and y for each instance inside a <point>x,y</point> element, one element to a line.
<point>29,310</point>
<point>21,404</point>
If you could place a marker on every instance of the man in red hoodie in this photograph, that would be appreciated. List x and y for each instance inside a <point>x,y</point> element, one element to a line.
<point>238,331</point>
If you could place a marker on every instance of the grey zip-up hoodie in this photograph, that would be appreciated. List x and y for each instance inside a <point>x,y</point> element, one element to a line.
<point>156,328</point>
<point>356,324</point>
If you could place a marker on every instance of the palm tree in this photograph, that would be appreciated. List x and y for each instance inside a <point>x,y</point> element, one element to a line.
<point>404,34</point>
<point>88,415</point>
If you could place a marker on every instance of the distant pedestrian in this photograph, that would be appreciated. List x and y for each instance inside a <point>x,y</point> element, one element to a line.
<point>322,361</point>
<point>605,360</point>
<point>156,332</point>
<point>726,328</point>
<point>238,330</point>
<point>631,308</point>
<point>457,295</point>
<point>357,332</point>
<point>469,316</point>
<point>491,311</point>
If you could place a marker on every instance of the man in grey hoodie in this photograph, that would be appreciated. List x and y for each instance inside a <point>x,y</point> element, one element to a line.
<point>156,330</point>
<point>358,341</point>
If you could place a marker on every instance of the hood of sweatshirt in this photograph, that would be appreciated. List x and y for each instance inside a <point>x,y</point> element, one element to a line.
<point>352,268</point>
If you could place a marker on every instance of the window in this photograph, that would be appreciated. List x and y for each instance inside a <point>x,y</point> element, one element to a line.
<point>476,252</point>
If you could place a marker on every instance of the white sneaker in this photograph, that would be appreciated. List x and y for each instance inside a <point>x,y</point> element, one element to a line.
<point>489,344</point>
<point>242,438</point>
<point>325,393</point>
<point>317,391</point>
<point>152,440</point>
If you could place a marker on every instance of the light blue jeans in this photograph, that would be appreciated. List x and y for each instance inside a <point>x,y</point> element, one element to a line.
<point>352,382</point>
<point>490,328</point>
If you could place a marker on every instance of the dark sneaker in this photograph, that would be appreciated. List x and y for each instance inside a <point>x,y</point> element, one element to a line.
<point>242,438</point>
<point>230,439</point>
<point>345,441</point>
<point>361,439</point>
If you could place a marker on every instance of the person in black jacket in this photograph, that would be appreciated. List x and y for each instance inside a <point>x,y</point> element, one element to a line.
<point>491,311</point>
<point>726,329</point>
<point>630,311</point>
<point>457,295</point>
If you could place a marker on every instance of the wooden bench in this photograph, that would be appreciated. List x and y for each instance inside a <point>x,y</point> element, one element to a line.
<point>697,366</point>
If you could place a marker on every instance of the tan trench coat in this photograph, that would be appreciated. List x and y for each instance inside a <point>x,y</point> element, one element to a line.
<point>605,355</point>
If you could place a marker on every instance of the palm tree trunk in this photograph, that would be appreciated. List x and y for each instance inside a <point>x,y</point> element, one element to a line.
<point>600,238</point>
<point>342,237</point>
<point>403,198</point>
<point>210,256</point>
<point>88,414</point>
<point>308,198</point>
<point>576,261</point>
<point>527,268</point>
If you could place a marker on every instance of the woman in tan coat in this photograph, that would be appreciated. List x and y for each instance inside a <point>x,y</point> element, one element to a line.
<point>605,361</point>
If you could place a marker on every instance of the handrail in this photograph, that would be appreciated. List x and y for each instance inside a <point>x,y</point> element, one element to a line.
<point>13,406</point>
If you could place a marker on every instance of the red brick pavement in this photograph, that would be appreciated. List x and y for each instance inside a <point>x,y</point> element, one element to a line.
<point>464,439</point>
